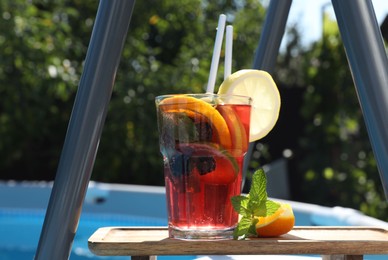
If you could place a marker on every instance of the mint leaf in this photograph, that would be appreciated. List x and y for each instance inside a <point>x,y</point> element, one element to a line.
<point>258,189</point>
<point>252,228</point>
<point>255,204</point>
<point>246,227</point>
<point>258,194</point>
<point>240,204</point>
<point>184,128</point>
<point>271,207</point>
<point>243,227</point>
<point>259,208</point>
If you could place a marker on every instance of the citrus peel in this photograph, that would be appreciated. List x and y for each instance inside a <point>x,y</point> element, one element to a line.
<point>265,96</point>
<point>279,223</point>
<point>197,108</point>
<point>237,130</point>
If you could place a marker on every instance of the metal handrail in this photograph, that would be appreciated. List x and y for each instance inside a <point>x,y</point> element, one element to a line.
<point>84,130</point>
<point>268,48</point>
<point>368,62</point>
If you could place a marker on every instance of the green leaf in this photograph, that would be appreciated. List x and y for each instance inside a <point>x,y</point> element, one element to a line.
<point>259,208</point>
<point>242,227</point>
<point>184,128</point>
<point>258,188</point>
<point>255,204</point>
<point>271,207</point>
<point>252,227</point>
<point>240,204</point>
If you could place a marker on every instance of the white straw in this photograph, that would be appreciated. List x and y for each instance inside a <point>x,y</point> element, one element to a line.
<point>216,54</point>
<point>228,51</point>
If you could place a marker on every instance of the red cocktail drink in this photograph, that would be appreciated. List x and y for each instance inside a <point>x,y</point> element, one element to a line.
<point>203,140</point>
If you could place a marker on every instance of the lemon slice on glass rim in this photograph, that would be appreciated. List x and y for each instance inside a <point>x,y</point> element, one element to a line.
<point>260,86</point>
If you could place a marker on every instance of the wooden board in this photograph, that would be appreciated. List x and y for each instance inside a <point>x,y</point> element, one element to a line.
<point>140,241</point>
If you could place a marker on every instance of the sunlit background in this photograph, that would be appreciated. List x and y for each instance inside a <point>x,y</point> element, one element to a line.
<point>320,138</point>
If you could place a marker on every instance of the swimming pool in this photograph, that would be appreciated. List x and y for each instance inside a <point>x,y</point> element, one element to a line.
<point>22,209</point>
<point>22,229</point>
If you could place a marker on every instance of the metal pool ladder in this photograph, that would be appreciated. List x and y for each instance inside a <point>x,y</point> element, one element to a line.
<point>367,59</point>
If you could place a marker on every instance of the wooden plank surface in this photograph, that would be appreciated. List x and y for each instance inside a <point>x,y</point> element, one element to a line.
<point>139,241</point>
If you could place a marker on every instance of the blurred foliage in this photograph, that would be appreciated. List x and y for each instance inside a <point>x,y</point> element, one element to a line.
<point>168,50</point>
<point>40,67</point>
<point>43,45</point>
<point>336,163</point>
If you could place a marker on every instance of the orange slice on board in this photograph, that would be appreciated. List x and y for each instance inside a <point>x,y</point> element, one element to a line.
<point>279,223</point>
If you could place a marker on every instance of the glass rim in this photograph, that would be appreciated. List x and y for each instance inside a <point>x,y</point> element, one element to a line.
<point>199,95</point>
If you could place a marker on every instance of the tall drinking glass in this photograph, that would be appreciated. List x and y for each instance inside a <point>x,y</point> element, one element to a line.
<point>203,139</point>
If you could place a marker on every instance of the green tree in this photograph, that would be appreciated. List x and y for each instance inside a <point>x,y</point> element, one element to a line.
<point>338,166</point>
<point>168,50</point>
<point>40,68</point>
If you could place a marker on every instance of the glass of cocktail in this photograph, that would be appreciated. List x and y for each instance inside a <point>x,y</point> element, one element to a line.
<point>203,139</point>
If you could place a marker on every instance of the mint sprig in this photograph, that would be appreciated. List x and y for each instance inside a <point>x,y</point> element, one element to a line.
<point>255,204</point>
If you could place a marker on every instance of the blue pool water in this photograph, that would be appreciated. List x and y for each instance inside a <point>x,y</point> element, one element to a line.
<point>21,229</point>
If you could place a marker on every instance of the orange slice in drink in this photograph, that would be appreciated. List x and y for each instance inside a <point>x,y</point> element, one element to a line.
<point>215,166</point>
<point>201,110</point>
<point>237,130</point>
<point>279,223</point>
